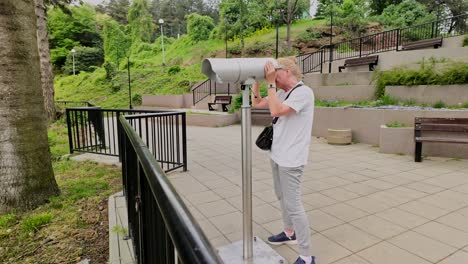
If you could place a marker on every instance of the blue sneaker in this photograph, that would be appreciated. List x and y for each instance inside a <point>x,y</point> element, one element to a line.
<point>281,239</point>
<point>299,260</point>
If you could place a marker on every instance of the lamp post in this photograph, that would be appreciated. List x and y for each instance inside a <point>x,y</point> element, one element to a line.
<point>161,22</point>
<point>129,84</point>
<point>226,37</point>
<point>73,58</point>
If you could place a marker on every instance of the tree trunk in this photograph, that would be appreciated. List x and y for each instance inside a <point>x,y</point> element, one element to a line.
<point>47,75</point>
<point>26,175</point>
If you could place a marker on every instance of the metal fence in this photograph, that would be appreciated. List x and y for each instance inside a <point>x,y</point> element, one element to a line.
<point>207,88</point>
<point>160,225</point>
<point>95,130</point>
<point>382,42</point>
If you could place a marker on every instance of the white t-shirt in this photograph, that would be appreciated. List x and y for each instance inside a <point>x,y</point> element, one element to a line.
<point>292,133</point>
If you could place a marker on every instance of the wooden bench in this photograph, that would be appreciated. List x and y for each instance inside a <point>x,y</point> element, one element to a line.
<point>369,60</point>
<point>223,100</point>
<point>442,130</point>
<point>434,42</point>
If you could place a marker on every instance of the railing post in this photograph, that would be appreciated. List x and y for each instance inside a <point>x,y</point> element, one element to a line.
<point>398,39</point>
<point>360,47</point>
<point>330,57</point>
<point>70,138</point>
<point>184,140</point>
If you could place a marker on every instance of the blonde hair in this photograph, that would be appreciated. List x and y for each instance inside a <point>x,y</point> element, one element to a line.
<point>291,64</point>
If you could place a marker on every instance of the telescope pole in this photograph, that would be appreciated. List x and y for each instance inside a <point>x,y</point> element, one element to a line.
<point>247,172</point>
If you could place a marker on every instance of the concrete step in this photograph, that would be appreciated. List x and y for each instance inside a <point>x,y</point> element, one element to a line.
<point>336,79</point>
<point>350,93</point>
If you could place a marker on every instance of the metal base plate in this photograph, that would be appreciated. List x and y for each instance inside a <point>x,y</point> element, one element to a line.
<point>262,253</point>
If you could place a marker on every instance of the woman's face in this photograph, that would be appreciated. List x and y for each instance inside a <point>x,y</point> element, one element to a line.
<point>282,76</point>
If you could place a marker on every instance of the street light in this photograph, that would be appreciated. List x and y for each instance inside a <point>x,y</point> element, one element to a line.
<point>73,56</point>
<point>161,22</point>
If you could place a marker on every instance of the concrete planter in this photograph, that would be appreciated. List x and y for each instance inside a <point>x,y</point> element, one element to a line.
<point>352,93</point>
<point>401,141</point>
<point>168,101</point>
<point>339,136</point>
<point>211,120</point>
<point>396,140</point>
<point>430,94</point>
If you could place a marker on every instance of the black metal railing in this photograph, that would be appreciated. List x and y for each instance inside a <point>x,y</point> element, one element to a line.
<point>207,88</point>
<point>449,27</point>
<point>382,42</point>
<point>65,103</point>
<point>160,225</point>
<point>95,130</point>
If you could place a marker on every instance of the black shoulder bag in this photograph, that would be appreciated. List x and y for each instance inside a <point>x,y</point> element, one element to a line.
<point>265,139</point>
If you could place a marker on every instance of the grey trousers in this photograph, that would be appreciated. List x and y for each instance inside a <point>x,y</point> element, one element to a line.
<point>287,183</point>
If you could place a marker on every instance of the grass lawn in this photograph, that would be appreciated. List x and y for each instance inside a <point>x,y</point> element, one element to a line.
<point>72,226</point>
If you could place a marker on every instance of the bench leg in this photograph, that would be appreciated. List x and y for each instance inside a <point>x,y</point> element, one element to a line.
<point>224,107</point>
<point>418,152</point>
<point>340,68</point>
<point>210,107</point>
<point>371,67</point>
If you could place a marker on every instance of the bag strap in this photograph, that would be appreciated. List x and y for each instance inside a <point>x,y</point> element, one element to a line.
<point>298,85</point>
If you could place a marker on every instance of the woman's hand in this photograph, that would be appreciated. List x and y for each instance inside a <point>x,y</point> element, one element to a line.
<point>270,73</point>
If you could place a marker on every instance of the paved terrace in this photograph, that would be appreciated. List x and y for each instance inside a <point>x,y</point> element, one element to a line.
<point>363,206</point>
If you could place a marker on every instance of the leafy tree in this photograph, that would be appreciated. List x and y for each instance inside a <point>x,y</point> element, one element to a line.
<point>140,21</point>
<point>378,6</point>
<point>199,27</point>
<point>67,31</point>
<point>117,9</point>
<point>85,59</point>
<point>26,174</point>
<point>116,42</point>
<point>407,13</point>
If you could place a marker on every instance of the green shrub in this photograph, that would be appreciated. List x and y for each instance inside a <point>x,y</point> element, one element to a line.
<point>386,100</point>
<point>465,105</point>
<point>465,41</point>
<point>35,222</point>
<point>7,220</point>
<point>234,49</point>
<point>110,70</point>
<point>199,27</point>
<point>173,70</point>
<point>457,73</point>
<point>136,99</point>
<point>439,104</point>
<point>307,36</point>
<point>258,48</point>
<point>396,124</point>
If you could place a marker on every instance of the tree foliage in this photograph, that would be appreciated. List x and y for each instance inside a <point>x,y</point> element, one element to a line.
<point>117,9</point>
<point>116,42</point>
<point>67,31</point>
<point>140,21</point>
<point>199,27</point>
<point>407,13</point>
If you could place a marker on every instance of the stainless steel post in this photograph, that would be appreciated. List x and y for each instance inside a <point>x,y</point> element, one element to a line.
<point>247,172</point>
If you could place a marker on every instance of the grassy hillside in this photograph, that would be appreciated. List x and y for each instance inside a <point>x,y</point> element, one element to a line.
<point>149,77</point>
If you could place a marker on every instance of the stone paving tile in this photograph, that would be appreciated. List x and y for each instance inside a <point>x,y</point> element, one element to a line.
<point>317,200</point>
<point>344,212</point>
<point>360,188</point>
<point>368,204</point>
<point>353,259</point>
<point>386,253</point>
<point>265,213</point>
<point>215,208</point>
<point>201,197</point>
<point>228,223</point>
<point>227,192</point>
<point>454,220</point>
<point>378,227</point>
<point>422,246</point>
<point>340,194</point>
<point>320,221</point>
<point>423,209</point>
<point>461,188</point>
<point>424,187</point>
<point>209,229</point>
<point>325,250</point>
<point>351,237</point>
<point>402,218</point>
<point>443,233</point>
<point>459,257</point>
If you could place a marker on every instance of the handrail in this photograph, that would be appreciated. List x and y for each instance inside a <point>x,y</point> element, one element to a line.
<point>189,240</point>
<point>387,40</point>
<point>65,102</point>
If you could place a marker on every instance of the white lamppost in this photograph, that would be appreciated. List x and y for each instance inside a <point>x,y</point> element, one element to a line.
<point>73,56</point>
<point>161,22</point>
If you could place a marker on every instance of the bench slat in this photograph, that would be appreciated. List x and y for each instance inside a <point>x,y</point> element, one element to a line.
<point>442,127</point>
<point>435,120</point>
<point>441,140</point>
